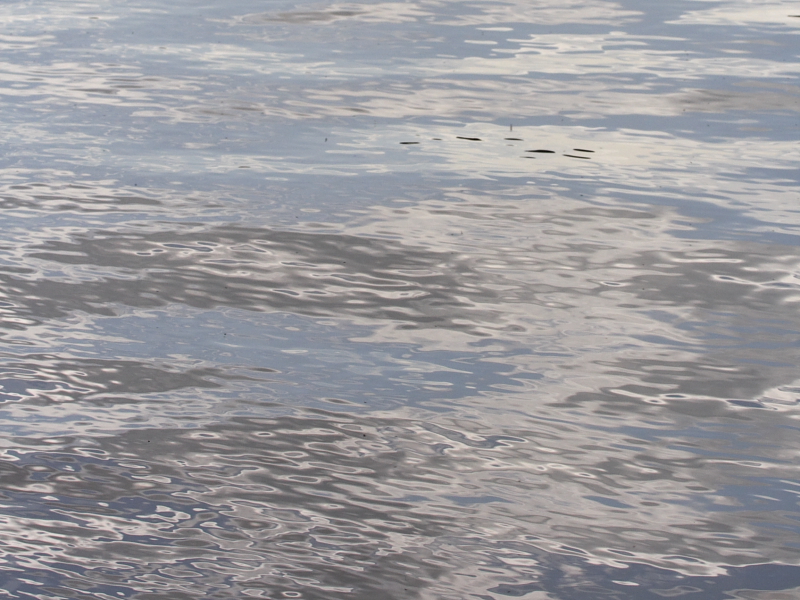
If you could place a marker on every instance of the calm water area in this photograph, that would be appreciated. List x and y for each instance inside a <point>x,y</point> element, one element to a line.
<point>399,300</point>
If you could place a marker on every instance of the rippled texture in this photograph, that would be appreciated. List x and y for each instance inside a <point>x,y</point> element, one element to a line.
<point>434,300</point>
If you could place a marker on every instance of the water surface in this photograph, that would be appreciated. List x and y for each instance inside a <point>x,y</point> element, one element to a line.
<point>435,299</point>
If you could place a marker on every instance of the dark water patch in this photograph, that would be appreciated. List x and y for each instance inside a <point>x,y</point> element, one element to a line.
<point>279,498</point>
<point>610,502</point>
<point>84,198</point>
<point>702,387</point>
<point>715,279</point>
<point>757,100</point>
<point>97,381</point>
<point>292,503</point>
<point>253,269</point>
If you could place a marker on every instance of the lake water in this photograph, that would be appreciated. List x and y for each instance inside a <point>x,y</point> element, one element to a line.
<point>435,299</point>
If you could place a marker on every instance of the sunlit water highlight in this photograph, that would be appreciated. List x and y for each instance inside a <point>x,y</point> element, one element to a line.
<point>433,300</point>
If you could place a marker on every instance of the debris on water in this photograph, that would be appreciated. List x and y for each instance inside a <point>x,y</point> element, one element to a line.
<point>472,139</point>
<point>406,143</point>
<point>514,139</point>
<point>582,150</point>
<point>542,151</point>
<point>576,156</point>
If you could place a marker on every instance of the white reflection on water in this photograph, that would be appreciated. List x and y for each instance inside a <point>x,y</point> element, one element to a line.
<point>777,15</point>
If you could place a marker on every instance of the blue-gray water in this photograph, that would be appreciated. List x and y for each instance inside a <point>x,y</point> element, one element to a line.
<point>436,299</point>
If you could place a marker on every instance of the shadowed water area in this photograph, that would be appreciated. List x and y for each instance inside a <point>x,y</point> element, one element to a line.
<point>427,300</point>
